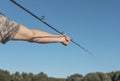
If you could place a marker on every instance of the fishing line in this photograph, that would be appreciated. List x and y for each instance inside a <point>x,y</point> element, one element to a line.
<point>42,20</point>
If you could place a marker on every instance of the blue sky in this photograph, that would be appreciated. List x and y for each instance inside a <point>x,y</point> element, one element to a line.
<point>95,24</point>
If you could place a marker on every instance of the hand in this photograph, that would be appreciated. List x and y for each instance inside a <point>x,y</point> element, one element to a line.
<point>66,40</point>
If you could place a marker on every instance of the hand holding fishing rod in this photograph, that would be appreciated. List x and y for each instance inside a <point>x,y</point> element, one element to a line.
<point>41,19</point>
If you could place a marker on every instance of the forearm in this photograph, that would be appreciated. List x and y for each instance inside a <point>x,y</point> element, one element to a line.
<point>45,37</point>
<point>39,36</point>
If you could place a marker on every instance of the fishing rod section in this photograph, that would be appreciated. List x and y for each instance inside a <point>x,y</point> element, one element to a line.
<point>42,20</point>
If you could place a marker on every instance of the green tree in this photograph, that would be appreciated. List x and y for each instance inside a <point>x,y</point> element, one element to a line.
<point>112,75</point>
<point>75,77</point>
<point>41,77</point>
<point>26,77</point>
<point>103,76</point>
<point>52,79</point>
<point>117,76</point>
<point>98,76</point>
<point>31,76</point>
<point>92,77</point>
<point>16,77</point>
<point>4,75</point>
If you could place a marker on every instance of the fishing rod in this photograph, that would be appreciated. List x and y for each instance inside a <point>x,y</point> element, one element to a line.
<point>42,20</point>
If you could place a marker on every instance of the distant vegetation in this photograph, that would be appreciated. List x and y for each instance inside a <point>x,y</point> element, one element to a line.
<point>98,76</point>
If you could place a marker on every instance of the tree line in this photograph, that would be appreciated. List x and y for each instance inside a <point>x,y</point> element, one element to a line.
<point>98,76</point>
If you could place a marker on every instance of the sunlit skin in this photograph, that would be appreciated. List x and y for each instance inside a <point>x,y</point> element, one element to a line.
<point>39,36</point>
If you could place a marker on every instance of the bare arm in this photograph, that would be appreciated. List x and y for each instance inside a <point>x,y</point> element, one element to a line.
<point>39,36</point>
